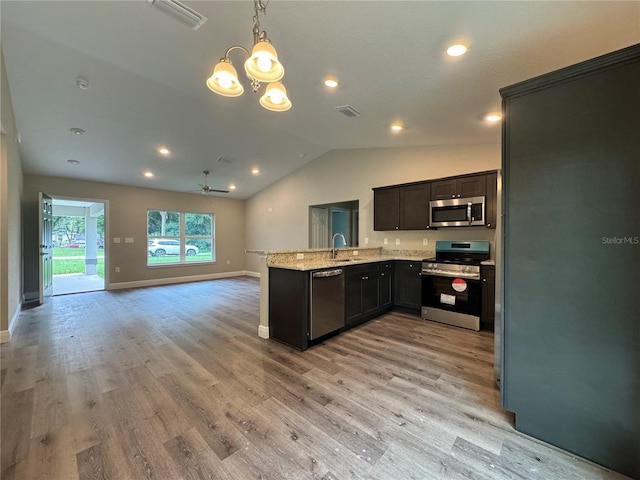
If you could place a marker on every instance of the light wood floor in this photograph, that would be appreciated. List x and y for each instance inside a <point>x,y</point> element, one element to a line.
<point>173,383</point>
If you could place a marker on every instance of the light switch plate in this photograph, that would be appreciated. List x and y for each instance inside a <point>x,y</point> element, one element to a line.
<point>366,240</point>
<point>116,239</point>
<point>128,239</point>
<point>397,241</point>
<point>425,241</point>
<point>385,241</point>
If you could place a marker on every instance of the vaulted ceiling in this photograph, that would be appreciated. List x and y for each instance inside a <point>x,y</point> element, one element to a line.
<point>147,77</point>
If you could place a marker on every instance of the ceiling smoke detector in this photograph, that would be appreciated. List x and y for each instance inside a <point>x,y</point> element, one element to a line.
<point>77,131</point>
<point>82,83</point>
<point>180,12</point>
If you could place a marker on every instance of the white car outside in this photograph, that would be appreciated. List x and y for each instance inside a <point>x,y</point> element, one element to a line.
<point>162,247</point>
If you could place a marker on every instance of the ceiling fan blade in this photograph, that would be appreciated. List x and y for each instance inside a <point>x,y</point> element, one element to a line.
<point>217,191</point>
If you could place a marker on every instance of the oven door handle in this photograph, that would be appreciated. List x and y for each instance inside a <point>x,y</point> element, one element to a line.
<point>469,213</point>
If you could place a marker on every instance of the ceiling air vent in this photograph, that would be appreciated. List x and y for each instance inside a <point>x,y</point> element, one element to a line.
<point>348,111</point>
<point>225,160</point>
<point>180,12</point>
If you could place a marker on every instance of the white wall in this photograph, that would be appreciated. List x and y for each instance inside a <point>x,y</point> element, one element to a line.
<point>127,217</point>
<point>10,214</point>
<point>277,217</point>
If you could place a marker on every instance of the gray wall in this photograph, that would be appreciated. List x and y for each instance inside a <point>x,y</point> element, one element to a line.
<point>572,252</point>
<point>278,217</point>
<point>127,217</point>
<point>10,213</point>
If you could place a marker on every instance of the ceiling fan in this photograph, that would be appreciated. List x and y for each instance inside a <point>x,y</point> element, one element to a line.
<point>206,189</point>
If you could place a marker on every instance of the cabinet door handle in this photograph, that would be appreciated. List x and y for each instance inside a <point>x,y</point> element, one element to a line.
<point>396,227</point>
<point>365,278</point>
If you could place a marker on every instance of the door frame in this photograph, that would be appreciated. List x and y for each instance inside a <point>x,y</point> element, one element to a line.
<point>106,228</point>
<point>45,247</point>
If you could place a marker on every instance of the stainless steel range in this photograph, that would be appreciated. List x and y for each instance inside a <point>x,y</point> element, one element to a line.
<point>451,287</point>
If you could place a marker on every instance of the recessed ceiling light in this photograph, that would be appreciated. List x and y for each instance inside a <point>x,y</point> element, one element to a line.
<point>493,117</point>
<point>148,174</point>
<point>77,131</point>
<point>73,162</point>
<point>232,187</point>
<point>396,127</point>
<point>457,50</point>
<point>255,171</point>
<point>164,151</point>
<point>331,82</point>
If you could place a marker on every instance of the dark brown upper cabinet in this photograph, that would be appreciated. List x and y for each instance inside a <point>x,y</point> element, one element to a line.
<point>403,207</point>
<point>406,206</point>
<point>386,208</point>
<point>414,206</point>
<point>461,187</point>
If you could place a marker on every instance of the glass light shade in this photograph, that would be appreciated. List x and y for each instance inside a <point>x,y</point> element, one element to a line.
<point>263,64</point>
<point>275,98</point>
<point>224,80</point>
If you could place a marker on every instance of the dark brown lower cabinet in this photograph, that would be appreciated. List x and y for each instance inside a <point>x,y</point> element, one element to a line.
<point>289,306</point>
<point>362,296</point>
<point>407,284</point>
<point>386,286</point>
<point>488,277</point>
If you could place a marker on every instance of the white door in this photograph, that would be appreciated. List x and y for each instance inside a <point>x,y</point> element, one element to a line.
<point>45,246</point>
<point>319,228</point>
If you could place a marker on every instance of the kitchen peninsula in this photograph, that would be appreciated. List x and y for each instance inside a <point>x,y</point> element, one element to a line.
<point>369,279</point>
<point>308,295</point>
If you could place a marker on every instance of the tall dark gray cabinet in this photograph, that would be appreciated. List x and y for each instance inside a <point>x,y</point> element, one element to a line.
<point>571,335</point>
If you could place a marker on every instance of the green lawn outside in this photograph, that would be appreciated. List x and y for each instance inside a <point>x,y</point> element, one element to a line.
<point>66,266</point>
<point>73,252</point>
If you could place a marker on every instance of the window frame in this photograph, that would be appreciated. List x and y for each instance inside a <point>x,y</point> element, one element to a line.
<point>182,239</point>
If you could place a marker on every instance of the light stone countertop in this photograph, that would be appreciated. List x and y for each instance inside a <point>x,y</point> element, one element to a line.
<point>344,258</point>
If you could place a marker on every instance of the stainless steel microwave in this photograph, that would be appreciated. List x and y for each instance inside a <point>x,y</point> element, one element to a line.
<point>457,212</point>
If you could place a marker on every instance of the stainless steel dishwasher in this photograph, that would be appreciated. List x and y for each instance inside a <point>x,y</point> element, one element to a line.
<point>327,302</point>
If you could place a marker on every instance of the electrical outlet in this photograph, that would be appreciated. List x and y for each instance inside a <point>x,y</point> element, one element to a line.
<point>397,241</point>
<point>385,241</point>
<point>355,253</point>
<point>366,240</point>
<point>299,256</point>
<point>425,241</point>
<point>117,269</point>
<point>228,262</point>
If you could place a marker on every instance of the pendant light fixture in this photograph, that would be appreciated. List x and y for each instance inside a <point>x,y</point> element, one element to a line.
<point>262,65</point>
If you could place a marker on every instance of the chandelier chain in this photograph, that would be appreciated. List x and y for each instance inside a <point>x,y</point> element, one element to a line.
<point>258,6</point>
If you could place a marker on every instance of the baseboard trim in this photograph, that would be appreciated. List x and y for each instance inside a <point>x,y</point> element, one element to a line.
<point>263,332</point>
<point>5,335</point>
<point>252,274</point>
<point>173,280</point>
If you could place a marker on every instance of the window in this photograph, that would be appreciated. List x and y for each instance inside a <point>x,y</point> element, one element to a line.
<point>179,237</point>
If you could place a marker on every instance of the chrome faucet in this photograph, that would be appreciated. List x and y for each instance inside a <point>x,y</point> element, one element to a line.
<point>333,242</point>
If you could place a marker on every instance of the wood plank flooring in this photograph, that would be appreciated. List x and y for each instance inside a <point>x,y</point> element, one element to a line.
<point>172,382</point>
